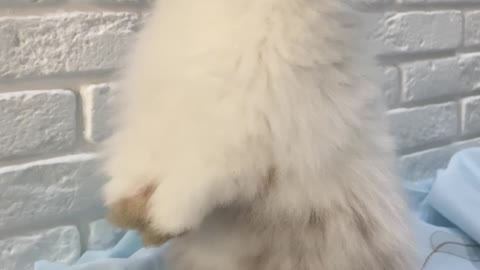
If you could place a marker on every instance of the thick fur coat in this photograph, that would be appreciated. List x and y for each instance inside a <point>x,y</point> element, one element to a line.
<point>248,133</point>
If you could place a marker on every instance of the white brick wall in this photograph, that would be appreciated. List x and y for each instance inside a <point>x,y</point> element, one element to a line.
<point>431,53</point>
<point>57,58</point>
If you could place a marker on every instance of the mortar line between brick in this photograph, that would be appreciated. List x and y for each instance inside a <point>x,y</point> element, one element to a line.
<point>79,150</point>
<point>27,10</point>
<point>462,41</point>
<point>428,145</point>
<point>71,81</point>
<point>435,7</point>
<point>436,100</point>
<point>452,144</point>
<point>469,50</point>
<point>403,94</point>
<point>460,119</point>
<point>80,120</point>
<point>408,57</point>
<point>84,231</point>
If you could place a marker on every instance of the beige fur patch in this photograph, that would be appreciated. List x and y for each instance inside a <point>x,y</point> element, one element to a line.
<point>131,213</point>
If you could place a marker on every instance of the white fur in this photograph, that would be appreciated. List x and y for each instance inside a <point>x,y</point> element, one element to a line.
<point>253,119</point>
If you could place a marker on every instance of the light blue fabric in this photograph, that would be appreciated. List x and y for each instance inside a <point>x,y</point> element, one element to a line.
<point>128,254</point>
<point>446,215</point>
<point>445,211</point>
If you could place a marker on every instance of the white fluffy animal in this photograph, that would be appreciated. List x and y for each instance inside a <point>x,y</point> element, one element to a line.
<point>247,132</point>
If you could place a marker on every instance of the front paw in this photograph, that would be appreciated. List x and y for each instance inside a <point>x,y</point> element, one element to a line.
<point>152,239</point>
<point>132,213</point>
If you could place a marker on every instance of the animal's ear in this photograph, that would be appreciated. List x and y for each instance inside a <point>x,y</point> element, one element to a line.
<point>131,212</point>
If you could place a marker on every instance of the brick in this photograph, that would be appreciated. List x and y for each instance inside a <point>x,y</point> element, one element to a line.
<point>97,111</point>
<point>61,244</point>
<point>33,122</point>
<point>391,86</point>
<point>471,116</point>
<point>469,80</point>
<point>425,164</point>
<point>416,31</point>
<point>49,188</point>
<point>472,28</point>
<point>417,127</point>
<point>430,79</point>
<point>103,235</point>
<point>64,42</point>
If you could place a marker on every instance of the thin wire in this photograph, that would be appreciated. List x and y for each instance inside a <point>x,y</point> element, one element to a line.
<point>436,250</point>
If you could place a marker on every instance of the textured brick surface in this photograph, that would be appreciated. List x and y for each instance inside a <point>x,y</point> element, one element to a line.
<point>33,122</point>
<point>416,31</point>
<point>425,80</point>
<point>64,42</point>
<point>60,244</point>
<point>424,125</point>
<point>472,28</point>
<point>48,188</point>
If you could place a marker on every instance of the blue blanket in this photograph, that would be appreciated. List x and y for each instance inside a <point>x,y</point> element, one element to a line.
<point>445,211</point>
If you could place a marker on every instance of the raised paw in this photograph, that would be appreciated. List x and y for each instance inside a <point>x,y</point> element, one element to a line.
<point>132,213</point>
